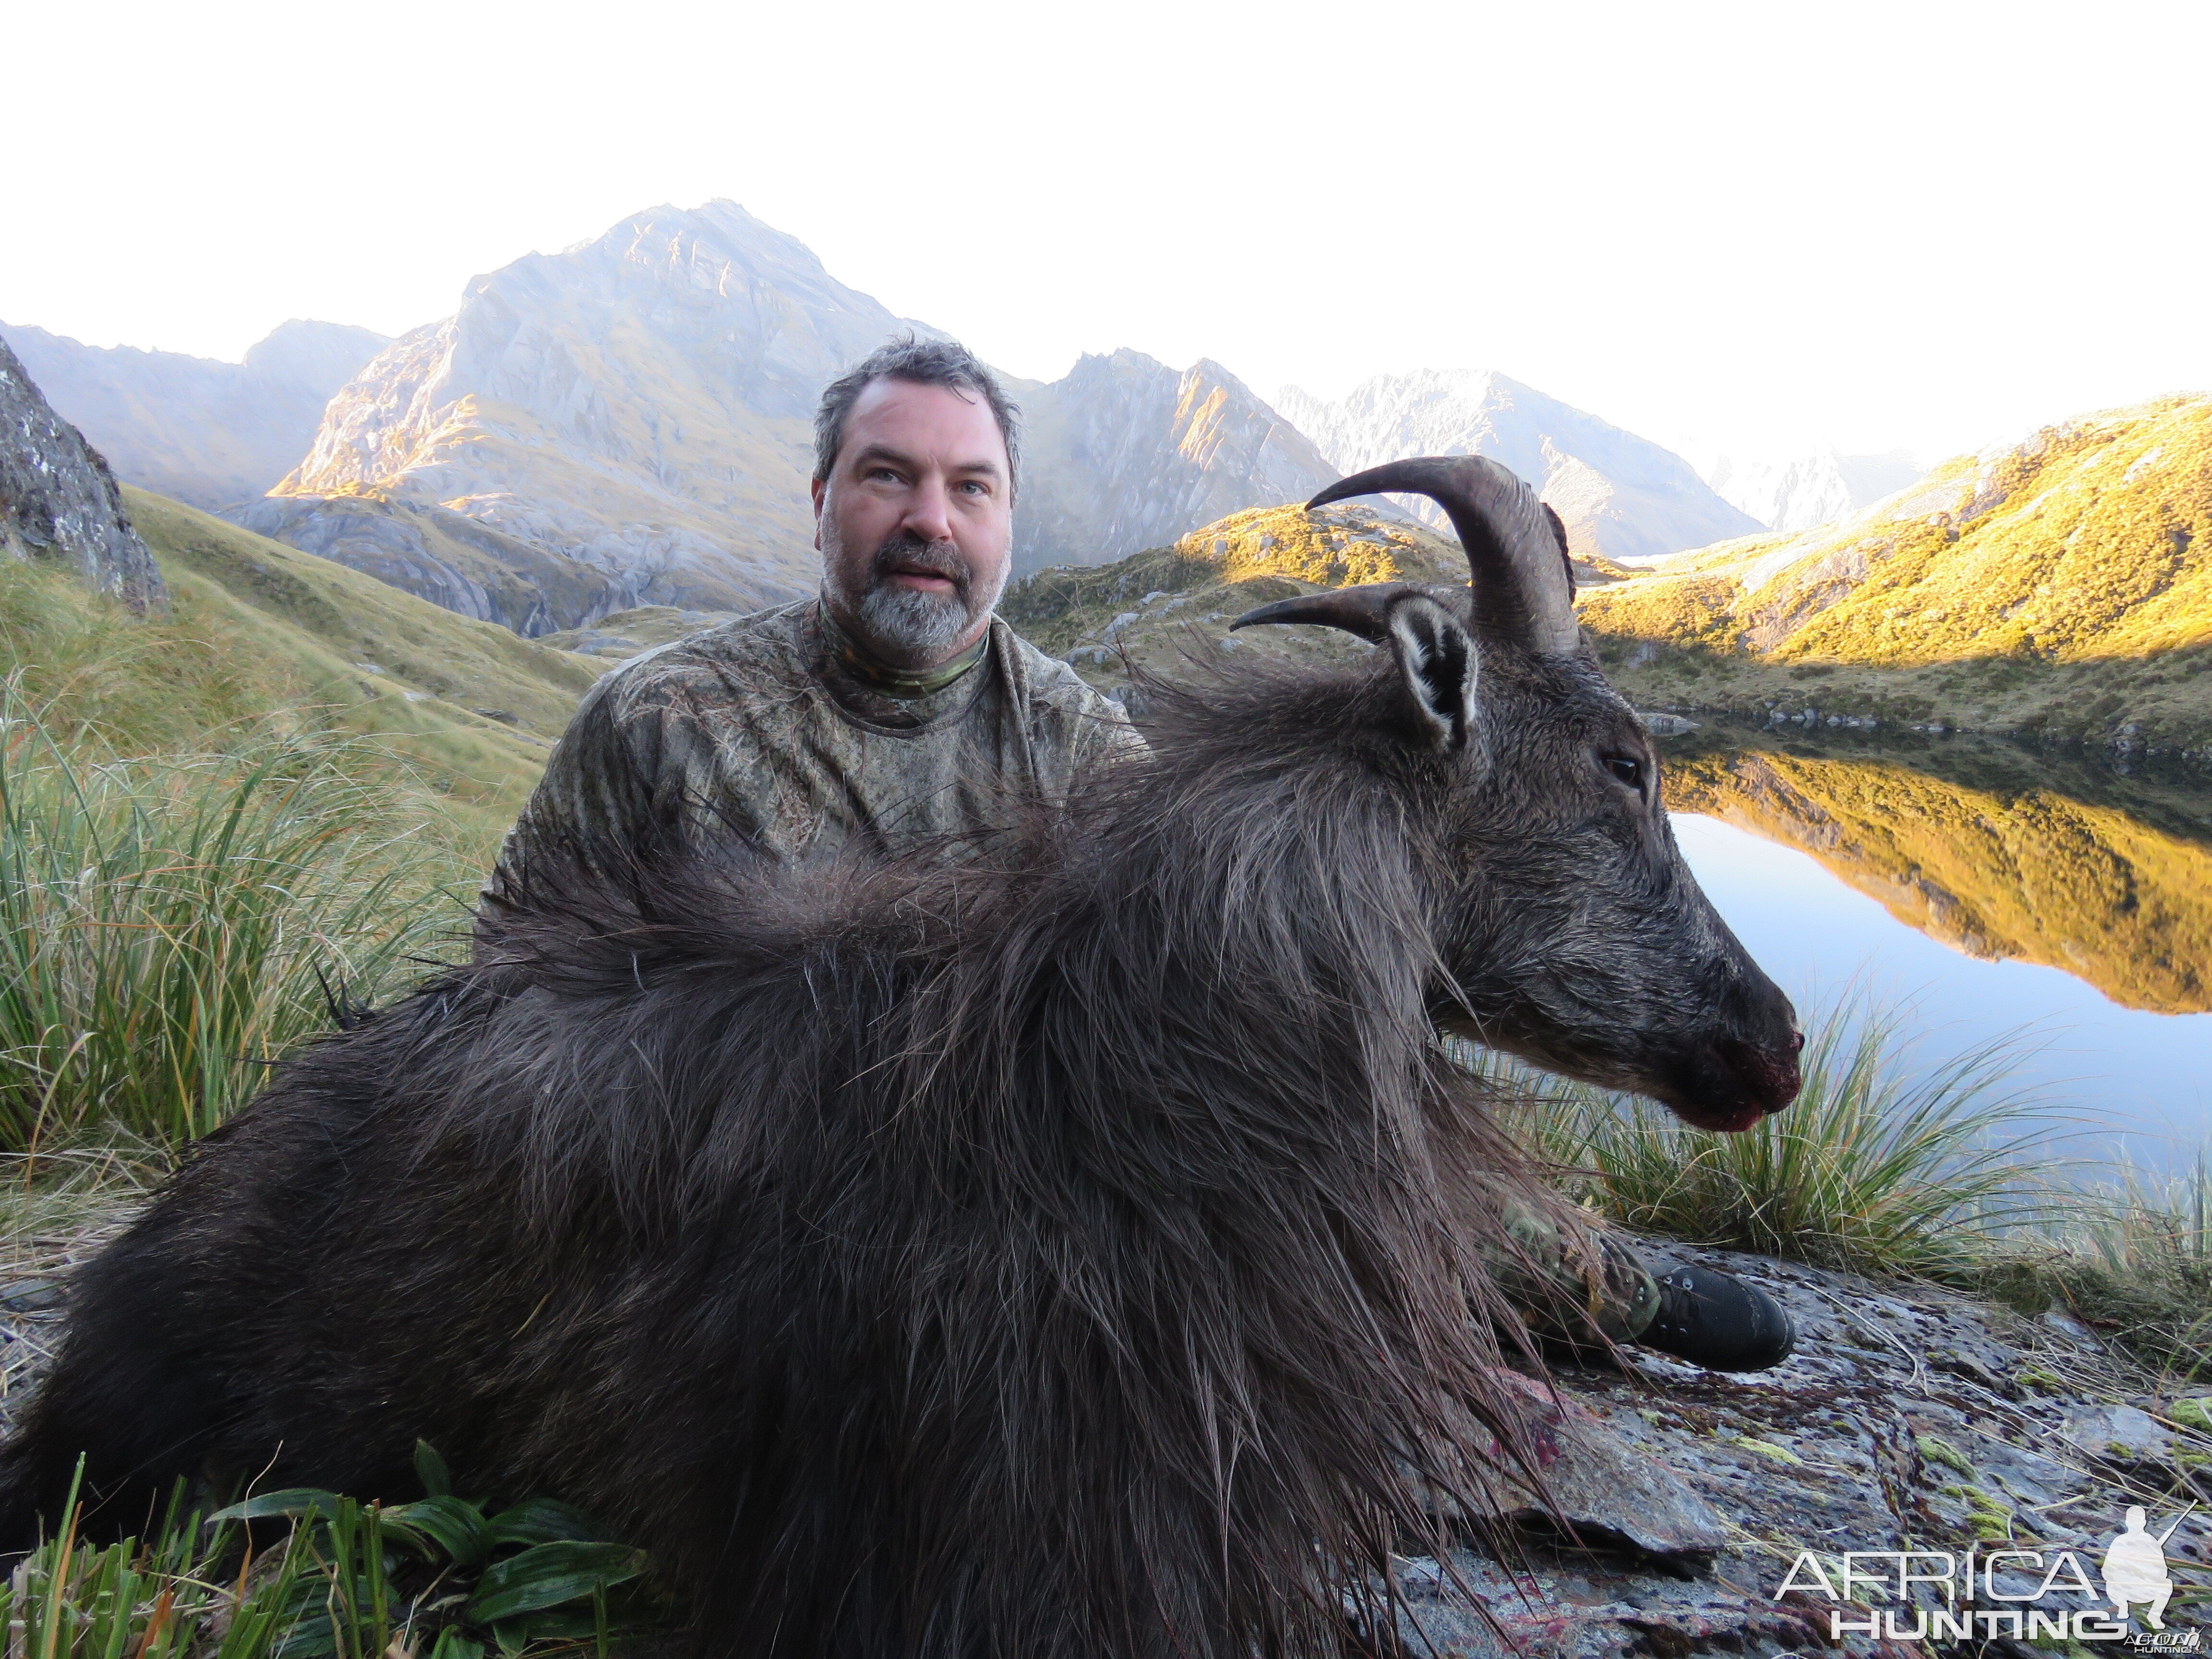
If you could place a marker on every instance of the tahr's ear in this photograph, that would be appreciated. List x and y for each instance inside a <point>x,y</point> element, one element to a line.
<point>1437,655</point>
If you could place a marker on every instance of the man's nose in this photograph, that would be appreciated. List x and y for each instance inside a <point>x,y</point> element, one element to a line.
<point>929,511</point>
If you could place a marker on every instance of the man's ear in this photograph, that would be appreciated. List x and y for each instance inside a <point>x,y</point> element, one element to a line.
<point>818,487</point>
<point>1437,655</point>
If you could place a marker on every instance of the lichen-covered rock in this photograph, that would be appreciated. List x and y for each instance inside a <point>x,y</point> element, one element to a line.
<point>58,502</point>
<point>1909,1419</point>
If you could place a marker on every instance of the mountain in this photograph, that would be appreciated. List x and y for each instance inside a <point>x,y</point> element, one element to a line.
<point>2061,585</point>
<point>643,405</point>
<point>198,431</point>
<point>1810,490</point>
<point>1620,496</point>
<point>443,557</point>
<point>1125,453</point>
<point>59,503</point>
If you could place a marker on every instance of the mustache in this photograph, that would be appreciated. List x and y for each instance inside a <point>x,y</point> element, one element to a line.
<point>908,551</point>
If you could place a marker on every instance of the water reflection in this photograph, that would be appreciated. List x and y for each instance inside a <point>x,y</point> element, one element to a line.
<point>1994,850</point>
<point>1990,888</point>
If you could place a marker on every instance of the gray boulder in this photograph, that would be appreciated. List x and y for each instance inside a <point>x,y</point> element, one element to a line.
<point>60,504</point>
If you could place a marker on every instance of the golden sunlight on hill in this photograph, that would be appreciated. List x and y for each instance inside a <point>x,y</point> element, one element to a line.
<point>2063,585</point>
<point>1159,606</point>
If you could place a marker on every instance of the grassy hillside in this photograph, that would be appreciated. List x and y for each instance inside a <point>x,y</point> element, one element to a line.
<point>2062,587</point>
<point>468,704</point>
<point>1157,606</point>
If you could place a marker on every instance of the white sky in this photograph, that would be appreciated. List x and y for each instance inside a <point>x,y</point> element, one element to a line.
<point>1923,225</point>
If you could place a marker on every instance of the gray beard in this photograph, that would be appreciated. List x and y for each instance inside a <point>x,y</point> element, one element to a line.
<point>898,622</point>
<point>925,626</point>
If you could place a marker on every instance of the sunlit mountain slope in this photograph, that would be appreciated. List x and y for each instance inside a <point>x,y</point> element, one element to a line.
<point>2063,585</point>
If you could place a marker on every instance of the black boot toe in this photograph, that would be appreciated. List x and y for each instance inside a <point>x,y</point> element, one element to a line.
<point>1716,1321</point>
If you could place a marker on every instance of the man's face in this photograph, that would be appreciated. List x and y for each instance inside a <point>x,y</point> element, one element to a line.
<point>915,523</point>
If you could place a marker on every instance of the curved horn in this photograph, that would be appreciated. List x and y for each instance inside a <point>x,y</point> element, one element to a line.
<point>1517,562</point>
<point>1364,610</point>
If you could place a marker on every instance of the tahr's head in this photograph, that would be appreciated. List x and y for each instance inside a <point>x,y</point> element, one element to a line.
<point>914,452</point>
<point>1575,934</point>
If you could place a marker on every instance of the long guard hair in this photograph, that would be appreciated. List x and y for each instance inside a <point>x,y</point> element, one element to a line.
<point>1070,1251</point>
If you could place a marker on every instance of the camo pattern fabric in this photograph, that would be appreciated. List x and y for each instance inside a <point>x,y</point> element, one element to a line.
<point>1570,1278</point>
<point>759,729</point>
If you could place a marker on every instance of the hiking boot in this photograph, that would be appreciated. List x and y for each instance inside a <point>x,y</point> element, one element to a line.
<point>1716,1321</point>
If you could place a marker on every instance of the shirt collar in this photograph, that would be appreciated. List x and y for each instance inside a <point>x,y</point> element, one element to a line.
<point>901,683</point>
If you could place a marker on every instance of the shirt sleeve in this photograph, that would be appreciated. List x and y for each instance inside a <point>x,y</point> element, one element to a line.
<point>601,786</point>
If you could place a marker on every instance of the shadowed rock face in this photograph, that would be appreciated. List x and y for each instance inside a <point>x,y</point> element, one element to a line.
<point>58,502</point>
<point>1126,454</point>
<point>443,557</point>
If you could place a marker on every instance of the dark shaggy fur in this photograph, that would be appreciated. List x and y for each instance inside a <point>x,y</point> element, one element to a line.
<point>1063,1255</point>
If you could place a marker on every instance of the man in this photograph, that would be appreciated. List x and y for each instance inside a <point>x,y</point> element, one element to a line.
<point>894,708</point>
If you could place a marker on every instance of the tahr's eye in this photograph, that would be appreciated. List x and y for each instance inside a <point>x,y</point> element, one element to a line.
<point>1627,768</point>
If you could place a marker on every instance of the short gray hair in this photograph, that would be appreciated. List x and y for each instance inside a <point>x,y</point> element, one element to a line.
<point>924,362</point>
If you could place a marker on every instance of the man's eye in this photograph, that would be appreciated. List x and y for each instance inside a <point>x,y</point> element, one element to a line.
<point>1627,768</point>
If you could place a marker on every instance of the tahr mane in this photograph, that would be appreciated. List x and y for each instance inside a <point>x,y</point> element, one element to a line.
<point>1075,1246</point>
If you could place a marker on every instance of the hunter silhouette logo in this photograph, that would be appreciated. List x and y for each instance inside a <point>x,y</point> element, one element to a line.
<point>2005,1591</point>
<point>2135,1569</point>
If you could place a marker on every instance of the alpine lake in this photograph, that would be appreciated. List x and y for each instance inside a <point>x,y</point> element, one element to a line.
<point>2056,902</point>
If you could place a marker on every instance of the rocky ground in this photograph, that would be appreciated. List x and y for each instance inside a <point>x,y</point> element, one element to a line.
<point>1680,1500</point>
<point>1910,1420</point>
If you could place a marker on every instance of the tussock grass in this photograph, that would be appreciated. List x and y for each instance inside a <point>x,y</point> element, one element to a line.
<point>2133,1262</point>
<point>170,924</point>
<point>1880,1165</point>
<point>1949,1173</point>
<point>100,676</point>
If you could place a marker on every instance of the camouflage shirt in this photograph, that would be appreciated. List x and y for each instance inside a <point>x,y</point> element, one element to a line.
<point>762,729</point>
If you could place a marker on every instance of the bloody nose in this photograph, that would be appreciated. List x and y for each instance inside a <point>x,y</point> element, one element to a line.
<point>1768,1077</point>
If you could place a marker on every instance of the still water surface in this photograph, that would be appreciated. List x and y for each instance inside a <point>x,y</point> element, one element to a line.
<point>1984,887</point>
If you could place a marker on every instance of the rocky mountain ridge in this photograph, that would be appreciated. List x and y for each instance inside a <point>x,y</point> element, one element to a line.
<point>1620,496</point>
<point>207,432</point>
<point>59,503</point>
<point>641,404</point>
<point>627,423</point>
<point>455,561</point>
<point>1126,454</point>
